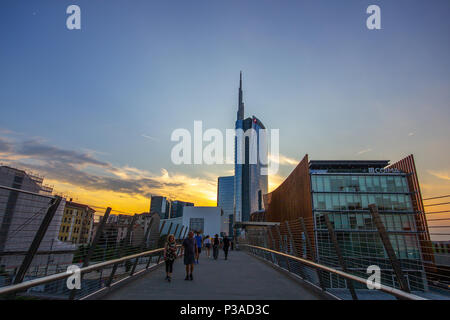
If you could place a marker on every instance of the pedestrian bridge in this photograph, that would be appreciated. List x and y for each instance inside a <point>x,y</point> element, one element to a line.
<point>241,276</point>
<point>250,273</point>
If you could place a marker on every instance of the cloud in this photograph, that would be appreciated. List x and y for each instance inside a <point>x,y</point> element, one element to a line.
<point>275,181</point>
<point>364,151</point>
<point>150,137</point>
<point>283,160</point>
<point>5,145</point>
<point>36,150</point>
<point>410,134</point>
<point>440,174</point>
<point>84,170</point>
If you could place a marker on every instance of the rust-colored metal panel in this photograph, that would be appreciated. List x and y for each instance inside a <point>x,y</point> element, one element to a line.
<point>408,165</point>
<point>292,199</point>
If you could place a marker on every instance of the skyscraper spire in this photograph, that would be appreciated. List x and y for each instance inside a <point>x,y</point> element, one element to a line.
<point>240,113</point>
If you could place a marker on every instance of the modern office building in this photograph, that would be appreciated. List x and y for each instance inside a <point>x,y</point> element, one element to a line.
<point>250,155</point>
<point>225,200</point>
<point>343,191</point>
<point>161,206</point>
<point>177,206</point>
<point>24,201</point>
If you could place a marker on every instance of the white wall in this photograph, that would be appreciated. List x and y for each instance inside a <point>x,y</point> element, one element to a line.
<point>211,215</point>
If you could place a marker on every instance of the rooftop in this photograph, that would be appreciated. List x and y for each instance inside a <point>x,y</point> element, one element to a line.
<point>347,164</point>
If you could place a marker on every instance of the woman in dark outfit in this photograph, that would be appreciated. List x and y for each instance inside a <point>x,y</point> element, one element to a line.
<point>170,254</point>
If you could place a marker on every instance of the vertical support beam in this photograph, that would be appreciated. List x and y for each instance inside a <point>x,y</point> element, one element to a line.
<point>181,232</point>
<point>127,239</point>
<point>281,248</point>
<point>162,227</point>
<point>95,241</point>
<point>294,248</point>
<point>307,240</point>
<point>272,246</point>
<point>175,232</point>
<point>37,240</point>
<point>97,236</point>
<point>388,247</point>
<point>143,244</point>
<point>170,228</point>
<point>184,237</point>
<point>311,250</point>
<point>339,255</point>
<point>266,244</point>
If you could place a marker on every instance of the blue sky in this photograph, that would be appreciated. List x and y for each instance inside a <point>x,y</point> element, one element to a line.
<point>335,89</point>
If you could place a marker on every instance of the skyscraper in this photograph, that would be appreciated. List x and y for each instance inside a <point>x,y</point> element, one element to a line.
<point>249,184</point>
<point>225,200</point>
<point>177,208</point>
<point>161,206</point>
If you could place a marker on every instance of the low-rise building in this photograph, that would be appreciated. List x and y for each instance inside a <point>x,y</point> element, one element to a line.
<point>77,223</point>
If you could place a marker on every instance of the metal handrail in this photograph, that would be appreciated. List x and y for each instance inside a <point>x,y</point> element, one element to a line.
<point>35,282</point>
<point>395,292</point>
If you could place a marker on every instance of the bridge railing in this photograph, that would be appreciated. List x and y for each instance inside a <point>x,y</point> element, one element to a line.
<point>43,235</point>
<point>305,269</point>
<point>394,249</point>
<point>94,278</point>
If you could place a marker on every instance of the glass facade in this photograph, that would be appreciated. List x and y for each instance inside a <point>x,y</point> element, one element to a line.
<point>249,184</point>
<point>225,200</point>
<point>345,198</point>
<point>197,224</point>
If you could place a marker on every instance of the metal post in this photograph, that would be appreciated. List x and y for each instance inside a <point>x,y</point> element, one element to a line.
<point>388,247</point>
<point>97,236</point>
<point>181,231</point>
<point>176,228</point>
<point>162,226</point>
<point>272,245</point>
<point>37,240</point>
<point>184,237</point>
<point>128,236</point>
<point>143,244</point>
<point>302,274</point>
<point>281,247</point>
<point>311,250</point>
<point>159,257</point>
<point>170,228</point>
<point>339,255</point>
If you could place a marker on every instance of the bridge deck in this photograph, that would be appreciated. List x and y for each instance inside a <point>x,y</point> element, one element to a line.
<point>240,277</point>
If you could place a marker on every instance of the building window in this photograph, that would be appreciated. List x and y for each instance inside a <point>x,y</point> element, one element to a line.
<point>197,224</point>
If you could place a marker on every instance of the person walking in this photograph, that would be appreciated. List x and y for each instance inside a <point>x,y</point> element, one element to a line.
<point>199,240</point>
<point>207,243</point>
<point>216,244</point>
<point>190,251</point>
<point>226,246</point>
<point>170,254</point>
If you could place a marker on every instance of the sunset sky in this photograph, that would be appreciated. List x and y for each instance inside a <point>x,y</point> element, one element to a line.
<point>93,110</point>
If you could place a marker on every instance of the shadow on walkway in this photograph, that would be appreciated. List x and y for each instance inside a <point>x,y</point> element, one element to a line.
<point>240,277</point>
